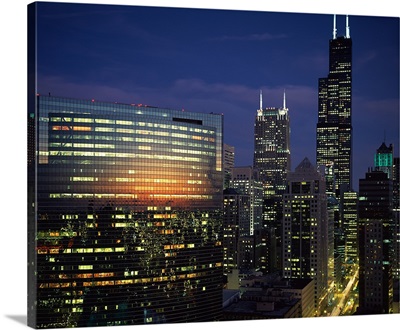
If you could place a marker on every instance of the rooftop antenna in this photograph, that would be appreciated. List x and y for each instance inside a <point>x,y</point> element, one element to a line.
<point>260,99</point>
<point>347,27</point>
<point>334,26</point>
<point>284,99</point>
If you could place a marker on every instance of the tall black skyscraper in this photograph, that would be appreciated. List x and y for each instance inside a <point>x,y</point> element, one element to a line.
<point>375,236</point>
<point>272,160</point>
<point>272,147</point>
<point>334,128</point>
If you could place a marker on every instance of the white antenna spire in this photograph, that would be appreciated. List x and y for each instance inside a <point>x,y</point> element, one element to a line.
<point>334,26</point>
<point>284,99</point>
<point>260,99</point>
<point>347,27</point>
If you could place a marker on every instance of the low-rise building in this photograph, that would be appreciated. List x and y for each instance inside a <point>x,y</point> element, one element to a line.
<point>270,296</point>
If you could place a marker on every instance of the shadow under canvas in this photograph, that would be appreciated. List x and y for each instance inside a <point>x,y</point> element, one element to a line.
<point>18,318</point>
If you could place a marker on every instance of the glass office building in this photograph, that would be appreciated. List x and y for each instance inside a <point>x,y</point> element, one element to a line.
<point>125,214</point>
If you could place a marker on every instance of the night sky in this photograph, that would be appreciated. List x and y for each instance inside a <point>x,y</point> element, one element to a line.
<point>217,61</point>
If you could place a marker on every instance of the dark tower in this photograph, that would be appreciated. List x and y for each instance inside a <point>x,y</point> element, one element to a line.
<point>334,128</point>
<point>375,236</point>
<point>272,159</point>
<point>272,147</point>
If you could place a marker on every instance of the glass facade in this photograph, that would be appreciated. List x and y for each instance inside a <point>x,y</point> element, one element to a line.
<point>128,214</point>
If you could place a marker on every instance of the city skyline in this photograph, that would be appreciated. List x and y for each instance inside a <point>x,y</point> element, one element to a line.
<point>113,54</point>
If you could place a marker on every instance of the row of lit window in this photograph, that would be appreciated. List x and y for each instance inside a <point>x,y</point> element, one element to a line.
<point>114,164</point>
<point>56,250</point>
<point>130,196</point>
<point>131,123</point>
<point>178,246</point>
<point>130,281</point>
<point>80,145</point>
<point>143,170</point>
<point>121,155</point>
<point>132,155</point>
<point>131,139</point>
<point>137,132</point>
<point>133,131</point>
<point>137,180</point>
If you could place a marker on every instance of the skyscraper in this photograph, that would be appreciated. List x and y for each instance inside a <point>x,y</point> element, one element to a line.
<point>396,211</point>
<point>383,159</point>
<point>246,180</point>
<point>334,127</point>
<point>236,227</point>
<point>272,160</point>
<point>350,222</point>
<point>127,222</point>
<point>396,183</point>
<point>272,147</point>
<point>375,235</point>
<point>228,163</point>
<point>305,228</point>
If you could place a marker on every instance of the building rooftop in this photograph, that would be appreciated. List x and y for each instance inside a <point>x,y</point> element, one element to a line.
<point>247,308</point>
<point>229,293</point>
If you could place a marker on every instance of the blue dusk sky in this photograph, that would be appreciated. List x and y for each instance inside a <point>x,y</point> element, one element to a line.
<point>217,61</point>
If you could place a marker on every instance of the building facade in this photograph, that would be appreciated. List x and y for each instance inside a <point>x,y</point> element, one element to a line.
<point>334,127</point>
<point>272,148</point>
<point>236,230</point>
<point>228,163</point>
<point>271,296</point>
<point>350,225</point>
<point>302,289</point>
<point>126,214</point>
<point>396,211</point>
<point>375,236</point>
<point>273,160</point>
<point>305,227</point>
<point>246,179</point>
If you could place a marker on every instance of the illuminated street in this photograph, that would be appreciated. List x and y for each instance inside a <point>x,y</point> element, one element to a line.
<point>346,302</point>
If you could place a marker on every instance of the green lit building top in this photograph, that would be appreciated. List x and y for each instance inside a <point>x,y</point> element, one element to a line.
<point>383,159</point>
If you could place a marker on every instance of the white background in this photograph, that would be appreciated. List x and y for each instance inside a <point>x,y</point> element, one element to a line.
<point>13,108</point>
